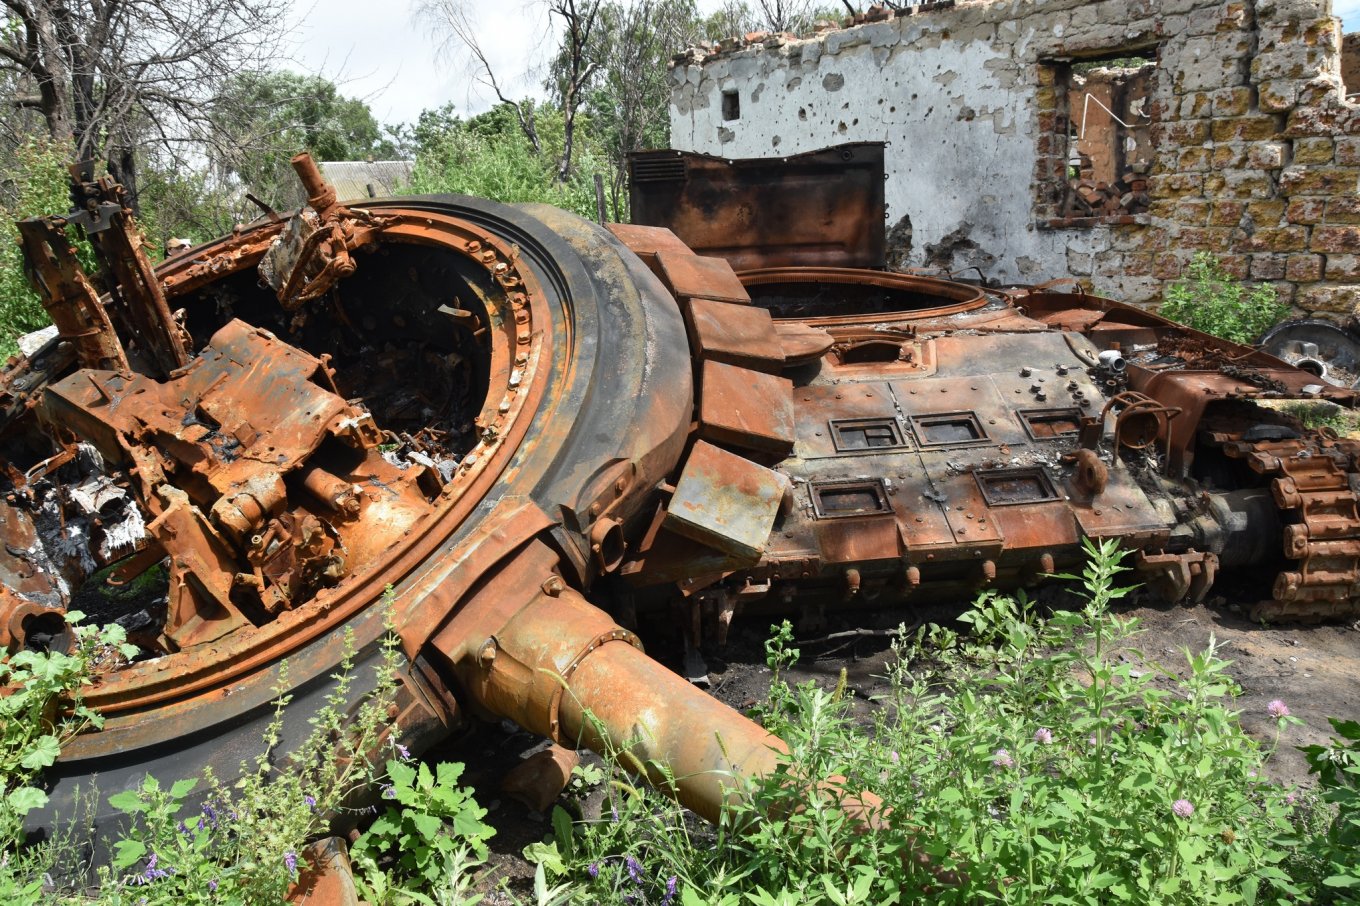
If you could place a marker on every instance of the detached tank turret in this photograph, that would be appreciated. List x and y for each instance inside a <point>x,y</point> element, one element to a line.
<point>533,428</point>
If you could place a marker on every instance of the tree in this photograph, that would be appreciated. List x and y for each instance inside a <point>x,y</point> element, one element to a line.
<point>575,68</point>
<point>629,99</point>
<point>262,119</point>
<point>115,78</point>
<point>450,21</point>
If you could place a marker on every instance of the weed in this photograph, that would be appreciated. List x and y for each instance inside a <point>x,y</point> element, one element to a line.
<point>432,834</point>
<point>1040,760</point>
<point>1213,302</point>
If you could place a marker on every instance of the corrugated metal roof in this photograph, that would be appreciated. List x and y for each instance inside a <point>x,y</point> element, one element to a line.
<point>359,179</point>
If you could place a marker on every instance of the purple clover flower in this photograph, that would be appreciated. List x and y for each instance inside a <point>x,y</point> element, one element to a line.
<point>212,885</point>
<point>1182,808</point>
<point>1277,709</point>
<point>634,869</point>
<point>593,869</point>
<point>1002,759</point>
<point>1043,736</point>
<point>290,860</point>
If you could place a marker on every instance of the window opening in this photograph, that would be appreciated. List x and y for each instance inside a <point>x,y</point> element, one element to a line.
<point>731,105</point>
<point>1095,146</point>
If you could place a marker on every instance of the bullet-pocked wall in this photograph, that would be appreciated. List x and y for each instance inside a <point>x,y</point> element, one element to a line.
<point>1225,128</point>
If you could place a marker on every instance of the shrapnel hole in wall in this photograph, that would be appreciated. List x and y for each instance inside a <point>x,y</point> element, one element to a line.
<point>1095,148</point>
<point>731,105</point>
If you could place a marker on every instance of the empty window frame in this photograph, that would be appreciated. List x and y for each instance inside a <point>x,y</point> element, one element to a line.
<point>731,105</point>
<point>836,499</point>
<point>1095,146</point>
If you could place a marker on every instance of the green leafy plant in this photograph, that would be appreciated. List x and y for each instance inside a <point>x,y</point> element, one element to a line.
<point>40,186</point>
<point>1337,766</point>
<point>243,841</point>
<point>1210,300</point>
<point>432,835</point>
<point>1051,763</point>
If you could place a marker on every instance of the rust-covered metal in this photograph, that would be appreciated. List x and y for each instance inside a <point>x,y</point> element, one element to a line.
<point>822,208</point>
<point>537,432</point>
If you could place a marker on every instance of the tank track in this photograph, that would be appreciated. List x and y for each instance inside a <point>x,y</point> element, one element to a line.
<point>1316,484</point>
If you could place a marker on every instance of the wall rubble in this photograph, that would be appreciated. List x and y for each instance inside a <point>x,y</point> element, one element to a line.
<point>1256,151</point>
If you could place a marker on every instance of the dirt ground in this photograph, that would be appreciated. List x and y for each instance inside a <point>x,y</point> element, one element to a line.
<point>1314,669</point>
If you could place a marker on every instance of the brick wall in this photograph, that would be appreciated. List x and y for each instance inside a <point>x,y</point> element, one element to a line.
<point>1255,151</point>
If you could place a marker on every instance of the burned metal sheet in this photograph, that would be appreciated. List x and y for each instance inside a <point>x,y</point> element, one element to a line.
<point>822,208</point>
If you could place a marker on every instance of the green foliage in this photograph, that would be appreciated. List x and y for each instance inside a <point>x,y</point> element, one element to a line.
<point>1040,761</point>
<point>431,836</point>
<point>40,710</point>
<point>242,842</point>
<point>1213,302</point>
<point>264,118</point>
<point>1337,766</point>
<point>490,157</point>
<point>38,185</point>
<point>1323,414</point>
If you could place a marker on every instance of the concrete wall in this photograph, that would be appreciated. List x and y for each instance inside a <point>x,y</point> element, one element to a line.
<point>1256,153</point>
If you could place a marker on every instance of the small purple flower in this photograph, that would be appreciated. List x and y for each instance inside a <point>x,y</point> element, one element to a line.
<point>389,792</point>
<point>1092,741</point>
<point>1043,736</point>
<point>404,752</point>
<point>1291,797</point>
<point>212,885</point>
<point>593,869</point>
<point>310,802</point>
<point>152,873</point>
<point>290,860</point>
<point>894,757</point>
<point>183,829</point>
<point>1002,759</point>
<point>210,813</point>
<point>671,883</point>
<point>1182,808</point>
<point>1277,709</point>
<point>634,869</point>
<point>613,814</point>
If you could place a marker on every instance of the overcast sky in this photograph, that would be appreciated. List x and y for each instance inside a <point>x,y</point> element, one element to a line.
<point>375,51</point>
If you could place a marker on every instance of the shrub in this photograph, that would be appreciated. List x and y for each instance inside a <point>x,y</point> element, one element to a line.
<point>1213,302</point>
<point>39,186</point>
<point>1040,760</point>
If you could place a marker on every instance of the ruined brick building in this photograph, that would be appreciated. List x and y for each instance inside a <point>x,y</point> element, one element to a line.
<point>1109,140</point>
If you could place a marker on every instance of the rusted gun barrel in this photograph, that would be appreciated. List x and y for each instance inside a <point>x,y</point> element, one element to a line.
<point>559,666</point>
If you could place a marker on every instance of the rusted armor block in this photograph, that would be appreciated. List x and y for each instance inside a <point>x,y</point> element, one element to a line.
<point>691,276</point>
<point>725,501</point>
<point>740,335</point>
<point>746,409</point>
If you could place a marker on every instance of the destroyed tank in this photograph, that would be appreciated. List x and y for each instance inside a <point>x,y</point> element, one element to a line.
<point>534,430</point>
